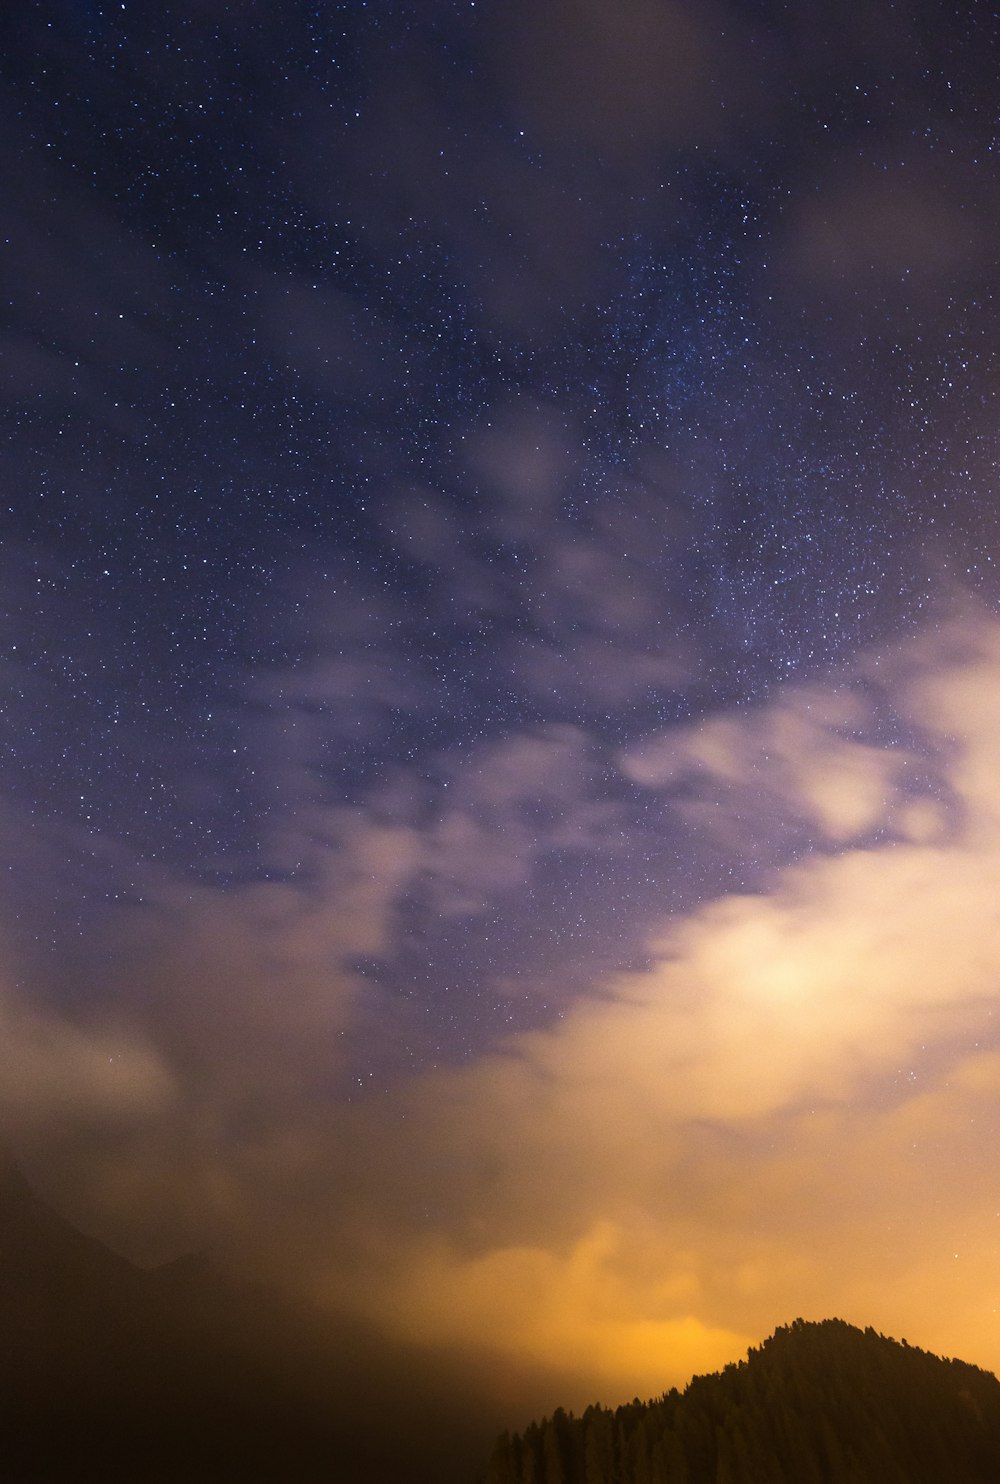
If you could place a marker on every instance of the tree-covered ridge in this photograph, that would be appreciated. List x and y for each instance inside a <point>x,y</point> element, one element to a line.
<point>822,1403</point>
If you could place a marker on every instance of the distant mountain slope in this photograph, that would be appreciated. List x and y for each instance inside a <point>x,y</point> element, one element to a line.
<point>72,1314</point>
<point>110,1374</point>
<point>818,1403</point>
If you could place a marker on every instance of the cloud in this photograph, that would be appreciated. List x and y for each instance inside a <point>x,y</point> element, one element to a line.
<point>804,756</point>
<point>889,238</point>
<point>216,1026</point>
<point>539,1307</point>
<point>755,1127</point>
<point>625,81</point>
<point>52,1069</point>
<point>508,804</point>
<point>792,1109</point>
<point>582,599</point>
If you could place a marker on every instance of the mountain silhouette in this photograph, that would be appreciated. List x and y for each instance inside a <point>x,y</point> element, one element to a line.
<point>111,1373</point>
<point>817,1403</point>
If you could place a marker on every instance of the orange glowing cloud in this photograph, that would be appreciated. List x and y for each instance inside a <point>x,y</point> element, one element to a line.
<point>793,1111</point>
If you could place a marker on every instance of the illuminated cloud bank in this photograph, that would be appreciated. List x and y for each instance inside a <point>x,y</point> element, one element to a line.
<point>793,1109</point>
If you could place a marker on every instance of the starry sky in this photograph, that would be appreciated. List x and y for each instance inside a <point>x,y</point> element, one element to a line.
<point>502,664</point>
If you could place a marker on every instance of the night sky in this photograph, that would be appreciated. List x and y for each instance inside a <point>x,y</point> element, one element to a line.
<point>499,762</point>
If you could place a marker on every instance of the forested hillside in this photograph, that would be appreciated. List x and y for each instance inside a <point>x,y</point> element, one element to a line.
<point>818,1403</point>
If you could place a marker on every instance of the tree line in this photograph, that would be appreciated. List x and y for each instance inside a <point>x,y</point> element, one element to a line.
<point>817,1403</point>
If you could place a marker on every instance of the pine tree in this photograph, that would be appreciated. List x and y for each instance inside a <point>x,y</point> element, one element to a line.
<point>599,1451</point>
<point>554,1451</point>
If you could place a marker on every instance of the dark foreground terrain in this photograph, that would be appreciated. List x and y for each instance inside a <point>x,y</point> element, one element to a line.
<point>110,1373</point>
